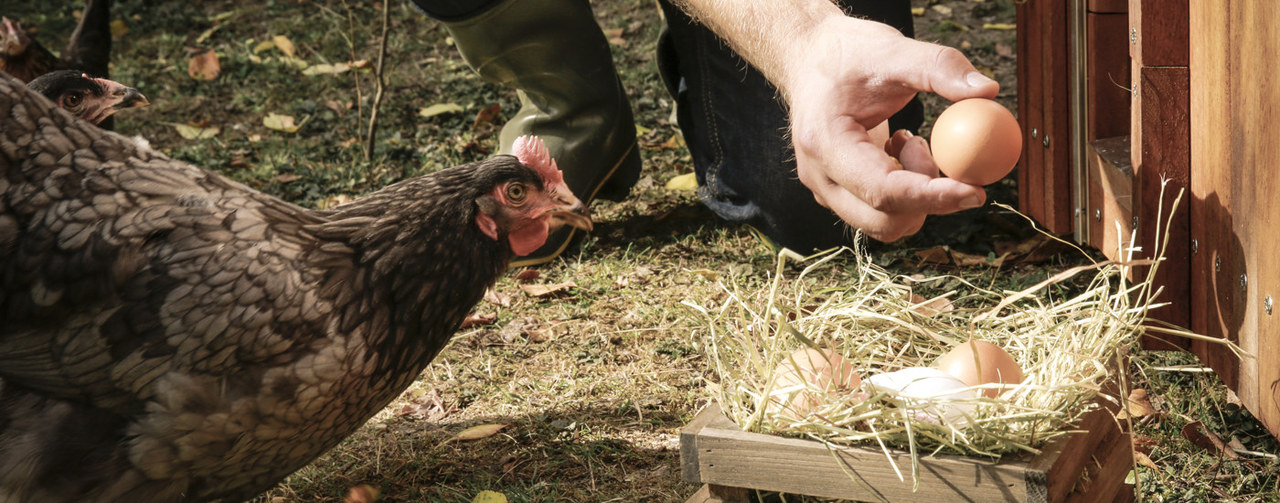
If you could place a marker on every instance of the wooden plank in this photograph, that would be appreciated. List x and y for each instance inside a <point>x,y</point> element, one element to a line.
<point>727,456</point>
<point>1107,73</point>
<point>1110,210</point>
<point>710,493</point>
<point>1055,133</point>
<point>1030,109</point>
<point>1235,104</point>
<point>1109,6</point>
<point>1161,152</point>
<point>1161,27</point>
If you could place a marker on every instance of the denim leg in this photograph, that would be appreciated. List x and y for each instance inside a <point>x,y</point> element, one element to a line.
<point>736,127</point>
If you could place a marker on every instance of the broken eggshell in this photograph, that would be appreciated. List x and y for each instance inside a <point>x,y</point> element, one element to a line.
<point>942,397</point>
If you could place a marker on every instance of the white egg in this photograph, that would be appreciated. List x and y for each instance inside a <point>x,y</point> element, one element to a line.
<point>941,396</point>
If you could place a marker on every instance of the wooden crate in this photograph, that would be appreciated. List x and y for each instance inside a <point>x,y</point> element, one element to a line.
<point>1088,466</point>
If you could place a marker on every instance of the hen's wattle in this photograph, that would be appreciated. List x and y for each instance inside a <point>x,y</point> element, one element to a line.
<point>167,334</point>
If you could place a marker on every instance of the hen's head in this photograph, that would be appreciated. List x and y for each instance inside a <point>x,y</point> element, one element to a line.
<point>13,39</point>
<point>525,210</point>
<point>88,98</point>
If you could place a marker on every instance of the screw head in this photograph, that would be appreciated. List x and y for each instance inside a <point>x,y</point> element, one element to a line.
<point>1133,35</point>
<point>1046,141</point>
<point>1035,132</point>
<point>1195,246</point>
<point>1217,263</point>
<point>1244,282</point>
<point>1266,304</point>
<point>1097,214</point>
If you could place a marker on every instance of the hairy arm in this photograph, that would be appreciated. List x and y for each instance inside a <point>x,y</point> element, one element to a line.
<point>841,77</point>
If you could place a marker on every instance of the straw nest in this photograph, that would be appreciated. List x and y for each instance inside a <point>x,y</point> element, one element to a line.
<point>1068,348</point>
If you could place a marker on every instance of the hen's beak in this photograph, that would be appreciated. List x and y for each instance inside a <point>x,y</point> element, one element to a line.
<point>120,97</point>
<point>569,210</point>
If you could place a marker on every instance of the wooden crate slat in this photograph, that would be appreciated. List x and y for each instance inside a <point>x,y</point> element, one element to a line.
<point>715,451</point>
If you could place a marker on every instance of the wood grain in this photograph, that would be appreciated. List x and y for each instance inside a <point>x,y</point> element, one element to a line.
<point>1236,97</point>
<point>727,456</point>
<point>1044,108</point>
<point>1110,211</point>
<point>1162,27</point>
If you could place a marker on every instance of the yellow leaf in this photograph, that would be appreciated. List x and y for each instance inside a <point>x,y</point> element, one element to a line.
<point>294,62</point>
<point>941,9</point>
<point>543,290</point>
<point>195,133</point>
<point>999,26</point>
<point>265,45</point>
<point>118,28</point>
<point>479,432</point>
<point>687,181</point>
<point>326,69</point>
<point>641,130</point>
<point>279,122</point>
<point>917,11</point>
<point>204,66</point>
<point>489,497</point>
<point>439,108</point>
<point>285,45</point>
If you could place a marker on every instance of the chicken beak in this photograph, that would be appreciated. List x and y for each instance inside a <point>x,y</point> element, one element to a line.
<point>569,210</point>
<point>120,97</point>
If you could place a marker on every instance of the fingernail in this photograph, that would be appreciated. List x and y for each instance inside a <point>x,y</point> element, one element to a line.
<point>909,133</point>
<point>976,79</point>
<point>971,202</point>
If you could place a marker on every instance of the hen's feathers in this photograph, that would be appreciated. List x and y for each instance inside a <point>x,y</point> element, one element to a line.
<point>204,340</point>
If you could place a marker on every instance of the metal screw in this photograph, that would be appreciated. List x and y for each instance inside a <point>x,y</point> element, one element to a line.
<point>1244,282</point>
<point>1134,222</point>
<point>1217,263</point>
<point>1079,211</point>
<point>1034,132</point>
<point>1133,35</point>
<point>1046,141</point>
<point>1195,246</point>
<point>1266,304</point>
<point>1097,214</point>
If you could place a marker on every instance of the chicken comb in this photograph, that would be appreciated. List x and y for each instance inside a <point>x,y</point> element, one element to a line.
<point>532,152</point>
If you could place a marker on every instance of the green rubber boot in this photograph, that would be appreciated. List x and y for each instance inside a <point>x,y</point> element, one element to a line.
<point>556,56</point>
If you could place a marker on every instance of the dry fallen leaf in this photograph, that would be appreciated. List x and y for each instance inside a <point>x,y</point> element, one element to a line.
<point>917,11</point>
<point>1143,460</point>
<point>687,181</point>
<point>363,493</point>
<point>326,69</point>
<point>285,178</point>
<point>477,319</point>
<point>196,133</point>
<point>486,116</point>
<point>528,275</point>
<point>427,406</point>
<point>489,497</point>
<point>614,35</point>
<point>941,9</point>
<point>333,201</point>
<point>285,45</point>
<point>1139,405</point>
<point>280,122</point>
<point>1196,433</point>
<point>118,28</point>
<point>265,45</point>
<point>479,432</point>
<point>439,108</point>
<point>999,26</point>
<point>204,66</point>
<point>543,290</point>
<point>1004,50</point>
<point>493,297</point>
<point>931,307</point>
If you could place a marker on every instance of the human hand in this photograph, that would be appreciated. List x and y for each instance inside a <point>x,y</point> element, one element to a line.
<point>849,75</point>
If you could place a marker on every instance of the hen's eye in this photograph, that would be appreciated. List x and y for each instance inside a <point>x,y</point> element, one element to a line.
<point>516,192</point>
<point>72,100</point>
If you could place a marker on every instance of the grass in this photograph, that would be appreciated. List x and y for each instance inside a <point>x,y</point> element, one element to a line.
<point>594,384</point>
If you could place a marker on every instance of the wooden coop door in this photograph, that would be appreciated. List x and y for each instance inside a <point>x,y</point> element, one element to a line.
<point>1109,95</point>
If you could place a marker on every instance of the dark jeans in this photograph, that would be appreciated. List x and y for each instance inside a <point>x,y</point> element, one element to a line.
<point>736,127</point>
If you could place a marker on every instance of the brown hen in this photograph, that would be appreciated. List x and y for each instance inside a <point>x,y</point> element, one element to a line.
<point>169,335</point>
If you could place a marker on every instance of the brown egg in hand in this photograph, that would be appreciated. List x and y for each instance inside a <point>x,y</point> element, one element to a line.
<point>980,362</point>
<point>816,370</point>
<point>976,141</point>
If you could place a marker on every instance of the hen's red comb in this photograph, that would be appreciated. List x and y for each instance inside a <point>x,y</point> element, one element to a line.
<point>532,152</point>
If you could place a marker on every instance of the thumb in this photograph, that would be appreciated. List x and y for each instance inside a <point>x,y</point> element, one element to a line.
<point>953,77</point>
